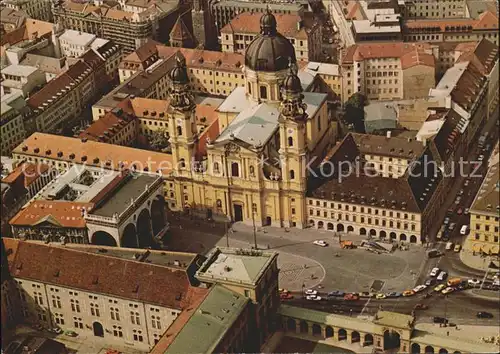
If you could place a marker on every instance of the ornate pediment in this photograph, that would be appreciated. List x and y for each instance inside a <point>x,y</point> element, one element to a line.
<point>232,148</point>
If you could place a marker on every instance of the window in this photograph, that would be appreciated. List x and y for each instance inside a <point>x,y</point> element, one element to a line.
<point>252,171</point>
<point>117,331</point>
<point>155,322</point>
<point>75,305</point>
<point>94,310</point>
<point>182,163</point>
<point>235,169</point>
<point>38,298</point>
<point>58,318</point>
<point>290,141</point>
<point>249,88</point>
<point>115,313</point>
<point>77,322</point>
<point>134,318</point>
<point>292,174</point>
<point>56,302</point>
<point>216,167</point>
<point>263,92</point>
<point>138,336</point>
<point>179,130</point>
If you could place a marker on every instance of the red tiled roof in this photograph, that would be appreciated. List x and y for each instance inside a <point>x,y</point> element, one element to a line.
<point>486,21</point>
<point>58,212</point>
<point>106,127</point>
<point>206,59</point>
<point>415,58</point>
<point>31,172</point>
<point>363,51</point>
<point>484,56</point>
<point>209,133</point>
<point>97,273</point>
<point>180,30</point>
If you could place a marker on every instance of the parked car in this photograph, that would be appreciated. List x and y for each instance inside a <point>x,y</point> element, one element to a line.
<point>281,290</point>
<point>461,192</point>
<point>380,296</point>
<point>442,276</point>
<point>483,314</point>
<point>434,271</point>
<point>457,248</point>
<point>313,297</point>
<point>351,297</point>
<point>466,211</point>
<point>446,220</point>
<point>439,288</point>
<point>71,333</point>
<point>466,183</point>
<point>311,292</point>
<point>440,320</point>
<point>336,293</point>
<point>448,290</point>
<point>320,243</point>
<point>393,294</point>
<point>452,226</point>
<point>55,330</point>
<point>286,296</point>
<point>474,282</point>
<point>408,293</point>
<point>457,201</point>
<point>366,294</point>
<point>419,288</point>
<point>459,211</point>
<point>430,282</point>
<point>480,158</point>
<point>449,246</point>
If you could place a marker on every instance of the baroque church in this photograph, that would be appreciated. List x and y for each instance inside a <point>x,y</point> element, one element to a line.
<point>255,168</point>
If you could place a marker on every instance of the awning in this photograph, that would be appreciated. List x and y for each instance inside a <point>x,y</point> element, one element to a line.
<point>477,247</point>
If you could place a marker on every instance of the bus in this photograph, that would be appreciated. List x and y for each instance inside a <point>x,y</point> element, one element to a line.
<point>454,282</point>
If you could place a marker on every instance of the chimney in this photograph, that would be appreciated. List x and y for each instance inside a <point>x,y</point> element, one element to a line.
<point>388,136</point>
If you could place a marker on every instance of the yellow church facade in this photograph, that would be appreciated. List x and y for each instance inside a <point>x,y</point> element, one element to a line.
<point>269,134</point>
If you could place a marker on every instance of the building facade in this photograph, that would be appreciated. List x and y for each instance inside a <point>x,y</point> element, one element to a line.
<point>37,9</point>
<point>12,122</point>
<point>433,9</point>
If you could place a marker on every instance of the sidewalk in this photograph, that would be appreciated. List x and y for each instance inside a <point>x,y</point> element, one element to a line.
<point>467,333</point>
<point>475,261</point>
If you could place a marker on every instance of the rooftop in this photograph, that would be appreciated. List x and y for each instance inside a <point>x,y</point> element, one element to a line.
<point>488,196</point>
<point>235,265</point>
<point>322,68</point>
<point>366,26</point>
<point>92,153</point>
<point>394,319</point>
<point>207,326</point>
<point>362,51</point>
<point>31,172</point>
<point>77,38</point>
<point>19,70</point>
<point>127,279</point>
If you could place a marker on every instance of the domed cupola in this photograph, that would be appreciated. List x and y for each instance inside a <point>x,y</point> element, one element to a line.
<point>180,92</point>
<point>270,51</point>
<point>178,74</point>
<point>292,104</point>
<point>292,84</point>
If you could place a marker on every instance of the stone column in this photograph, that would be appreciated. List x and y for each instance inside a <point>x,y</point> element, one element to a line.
<point>323,331</point>
<point>310,329</point>
<point>297,326</point>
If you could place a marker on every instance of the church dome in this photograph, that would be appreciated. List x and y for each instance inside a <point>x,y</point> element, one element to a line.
<point>292,83</point>
<point>178,74</point>
<point>269,51</point>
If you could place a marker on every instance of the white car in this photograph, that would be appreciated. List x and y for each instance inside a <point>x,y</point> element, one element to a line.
<point>442,276</point>
<point>474,282</point>
<point>311,292</point>
<point>434,271</point>
<point>496,282</point>
<point>447,290</point>
<point>480,158</point>
<point>320,243</point>
<point>313,297</point>
<point>419,288</point>
<point>449,246</point>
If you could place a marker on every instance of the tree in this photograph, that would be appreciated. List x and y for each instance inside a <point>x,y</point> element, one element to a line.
<point>355,113</point>
<point>159,140</point>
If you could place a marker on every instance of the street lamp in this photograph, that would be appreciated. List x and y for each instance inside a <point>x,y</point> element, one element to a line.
<point>254,210</point>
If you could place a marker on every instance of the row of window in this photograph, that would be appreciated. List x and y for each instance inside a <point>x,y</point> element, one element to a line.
<point>477,237</point>
<point>354,208</point>
<point>363,220</point>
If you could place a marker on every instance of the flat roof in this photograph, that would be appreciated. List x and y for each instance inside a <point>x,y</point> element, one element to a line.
<point>77,37</point>
<point>236,265</point>
<point>393,319</point>
<point>208,325</point>
<point>19,70</point>
<point>366,26</point>
<point>132,189</point>
<point>322,68</point>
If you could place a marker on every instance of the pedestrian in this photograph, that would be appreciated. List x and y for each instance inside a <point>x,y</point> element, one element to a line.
<point>448,333</point>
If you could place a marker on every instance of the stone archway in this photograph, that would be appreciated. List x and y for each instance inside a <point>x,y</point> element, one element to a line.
<point>362,231</point>
<point>350,229</point>
<point>304,328</point>
<point>383,234</point>
<point>368,339</point>
<point>429,350</point>
<point>443,351</point>
<point>129,237</point>
<point>415,348</point>
<point>328,332</point>
<point>144,231</point>
<point>413,239</point>
<point>316,329</point>
<point>340,228</point>
<point>329,226</point>
<point>103,238</point>
<point>320,225</point>
<point>342,334</point>
<point>392,235</point>
<point>392,340</point>
<point>158,216</point>
<point>98,329</point>
<point>373,232</point>
<point>402,237</point>
<point>291,325</point>
<point>355,337</point>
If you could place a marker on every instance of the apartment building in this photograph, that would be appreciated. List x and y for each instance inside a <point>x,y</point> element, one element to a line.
<point>11,19</point>
<point>469,88</point>
<point>387,71</point>
<point>303,33</point>
<point>128,23</point>
<point>12,122</point>
<point>21,79</point>
<point>115,127</point>
<point>210,72</point>
<point>485,212</point>
<point>383,27</point>
<point>435,9</point>
<point>329,73</point>
<point>378,197</point>
<point>117,298</point>
<point>452,30</point>
<point>35,177</point>
<point>36,9</point>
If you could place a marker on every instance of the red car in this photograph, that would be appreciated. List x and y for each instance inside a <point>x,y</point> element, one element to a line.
<point>351,297</point>
<point>286,296</point>
<point>460,211</point>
